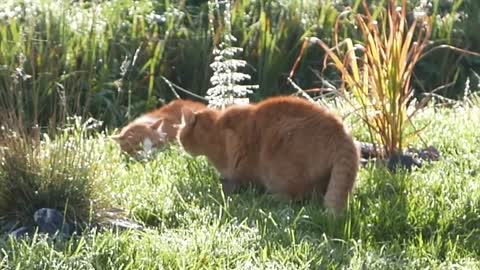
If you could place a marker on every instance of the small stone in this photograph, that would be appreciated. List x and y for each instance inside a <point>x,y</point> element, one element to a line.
<point>20,232</point>
<point>51,221</point>
<point>363,162</point>
<point>369,150</point>
<point>123,224</point>
<point>113,218</point>
<point>429,154</point>
<point>401,160</point>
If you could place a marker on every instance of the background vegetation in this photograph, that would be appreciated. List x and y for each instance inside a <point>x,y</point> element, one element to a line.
<point>112,60</point>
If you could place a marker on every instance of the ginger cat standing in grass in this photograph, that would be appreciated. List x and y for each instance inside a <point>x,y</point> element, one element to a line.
<point>287,145</point>
<point>154,129</point>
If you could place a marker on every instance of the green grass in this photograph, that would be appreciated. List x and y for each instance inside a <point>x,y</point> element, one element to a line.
<point>427,219</point>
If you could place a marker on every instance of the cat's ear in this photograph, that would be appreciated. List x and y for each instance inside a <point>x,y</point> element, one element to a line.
<point>157,125</point>
<point>158,128</point>
<point>188,116</point>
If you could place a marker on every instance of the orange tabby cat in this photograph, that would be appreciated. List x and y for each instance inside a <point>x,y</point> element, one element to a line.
<point>154,129</point>
<point>287,145</point>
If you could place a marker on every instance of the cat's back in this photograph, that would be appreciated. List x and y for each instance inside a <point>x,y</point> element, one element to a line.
<point>272,108</point>
<point>287,106</point>
<point>174,108</point>
<point>288,111</point>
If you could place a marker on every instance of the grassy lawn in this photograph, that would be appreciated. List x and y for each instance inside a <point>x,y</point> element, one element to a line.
<point>114,60</point>
<point>429,218</point>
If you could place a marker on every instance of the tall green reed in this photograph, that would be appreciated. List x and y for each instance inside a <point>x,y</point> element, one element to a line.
<point>271,32</point>
<point>111,59</point>
<point>60,59</point>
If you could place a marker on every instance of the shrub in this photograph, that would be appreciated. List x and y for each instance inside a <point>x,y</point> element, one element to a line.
<point>61,175</point>
<point>226,79</point>
<point>376,73</point>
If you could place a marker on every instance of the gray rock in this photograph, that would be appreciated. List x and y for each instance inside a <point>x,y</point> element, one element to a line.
<point>402,161</point>
<point>363,162</point>
<point>51,221</point>
<point>20,232</point>
<point>370,150</point>
<point>429,154</point>
<point>115,219</point>
<point>123,224</point>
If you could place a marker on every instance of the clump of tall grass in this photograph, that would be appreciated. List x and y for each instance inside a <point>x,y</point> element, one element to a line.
<point>271,32</point>
<point>376,72</point>
<point>380,81</point>
<point>62,174</point>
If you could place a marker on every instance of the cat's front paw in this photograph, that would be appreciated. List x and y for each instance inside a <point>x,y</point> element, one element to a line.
<point>229,186</point>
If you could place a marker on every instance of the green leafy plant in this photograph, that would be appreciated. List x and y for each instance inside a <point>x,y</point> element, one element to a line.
<point>271,33</point>
<point>377,72</point>
<point>226,79</point>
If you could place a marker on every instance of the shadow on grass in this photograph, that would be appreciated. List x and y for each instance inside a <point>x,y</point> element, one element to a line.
<point>281,224</point>
<point>382,200</point>
<point>384,210</point>
<point>380,206</point>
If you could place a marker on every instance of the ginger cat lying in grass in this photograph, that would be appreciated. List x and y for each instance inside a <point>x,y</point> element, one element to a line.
<point>155,129</point>
<point>287,145</point>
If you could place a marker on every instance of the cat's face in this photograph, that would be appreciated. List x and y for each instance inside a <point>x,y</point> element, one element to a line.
<point>195,131</point>
<point>140,136</point>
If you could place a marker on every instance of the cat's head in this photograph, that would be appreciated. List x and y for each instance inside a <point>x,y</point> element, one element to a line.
<point>196,133</point>
<point>140,136</point>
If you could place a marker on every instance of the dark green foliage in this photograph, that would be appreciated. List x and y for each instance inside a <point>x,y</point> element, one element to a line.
<point>108,59</point>
<point>455,23</point>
